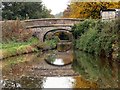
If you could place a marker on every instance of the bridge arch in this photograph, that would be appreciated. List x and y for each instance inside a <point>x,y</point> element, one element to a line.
<point>60,31</point>
<point>41,26</point>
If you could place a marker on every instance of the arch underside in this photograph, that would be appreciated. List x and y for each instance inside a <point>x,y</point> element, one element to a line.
<point>62,34</point>
<point>41,32</point>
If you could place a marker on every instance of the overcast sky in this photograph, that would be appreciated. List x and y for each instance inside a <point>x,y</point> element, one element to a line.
<point>56,5</point>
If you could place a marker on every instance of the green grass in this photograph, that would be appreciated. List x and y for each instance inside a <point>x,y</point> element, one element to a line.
<point>32,45</point>
<point>17,48</point>
<point>18,44</point>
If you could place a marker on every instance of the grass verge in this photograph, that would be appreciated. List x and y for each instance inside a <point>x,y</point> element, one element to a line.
<point>18,48</point>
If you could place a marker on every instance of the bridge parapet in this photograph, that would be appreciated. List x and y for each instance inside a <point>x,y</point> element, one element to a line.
<point>52,25</point>
<point>51,22</point>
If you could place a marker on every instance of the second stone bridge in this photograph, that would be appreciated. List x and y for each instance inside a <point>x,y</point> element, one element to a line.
<point>42,26</point>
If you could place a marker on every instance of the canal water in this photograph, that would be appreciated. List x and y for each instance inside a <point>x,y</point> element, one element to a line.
<point>54,69</point>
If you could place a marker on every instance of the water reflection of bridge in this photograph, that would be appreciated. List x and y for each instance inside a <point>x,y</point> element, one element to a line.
<point>64,45</point>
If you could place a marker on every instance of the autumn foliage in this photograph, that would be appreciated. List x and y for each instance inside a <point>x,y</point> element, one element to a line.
<point>88,9</point>
<point>15,31</point>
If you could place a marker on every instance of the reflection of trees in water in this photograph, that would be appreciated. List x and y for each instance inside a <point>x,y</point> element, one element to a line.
<point>10,84</point>
<point>14,67</point>
<point>82,83</point>
<point>92,68</point>
<point>31,82</point>
<point>24,82</point>
<point>13,70</point>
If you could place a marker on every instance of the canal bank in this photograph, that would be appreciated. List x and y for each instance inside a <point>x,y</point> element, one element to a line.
<point>18,48</point>
<point>99,38</point>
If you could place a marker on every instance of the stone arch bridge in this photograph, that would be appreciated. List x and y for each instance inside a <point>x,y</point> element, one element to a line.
<point>41,26</point>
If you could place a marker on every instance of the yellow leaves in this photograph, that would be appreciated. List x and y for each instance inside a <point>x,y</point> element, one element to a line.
<point>88,9</point>
<point>82,83</point>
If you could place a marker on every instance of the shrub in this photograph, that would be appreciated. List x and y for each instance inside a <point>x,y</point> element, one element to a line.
<point>99,37</point>
<point>52,43</point>
<point>82,27</point>
<point>15,31</point>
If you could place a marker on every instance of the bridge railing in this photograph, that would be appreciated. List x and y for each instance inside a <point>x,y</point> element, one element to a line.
<point>33,23</point>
